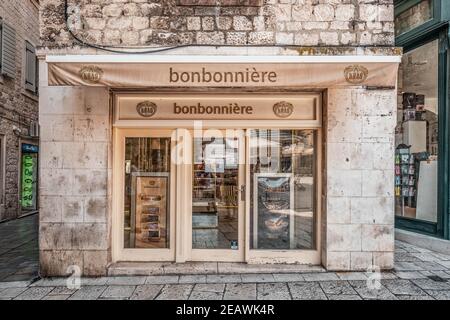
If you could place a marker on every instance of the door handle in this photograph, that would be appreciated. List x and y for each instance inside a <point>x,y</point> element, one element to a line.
<point>242,190</point>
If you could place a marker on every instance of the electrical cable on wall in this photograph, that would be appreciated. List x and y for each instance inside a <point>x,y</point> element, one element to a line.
<point>115,49</point>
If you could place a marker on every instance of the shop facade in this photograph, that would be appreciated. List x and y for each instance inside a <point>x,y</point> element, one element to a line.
<point>281,155</point>
<point>422,189</point>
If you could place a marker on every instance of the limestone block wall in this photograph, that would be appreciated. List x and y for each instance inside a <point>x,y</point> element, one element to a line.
<point>74,170</point>
<point>358,227</point>
<point>229,22</point>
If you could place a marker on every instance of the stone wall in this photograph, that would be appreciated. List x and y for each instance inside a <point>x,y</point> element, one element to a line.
<point>74,166</point>
<point>359,229</point>
<point>274,22</point>
<point>18,108</point>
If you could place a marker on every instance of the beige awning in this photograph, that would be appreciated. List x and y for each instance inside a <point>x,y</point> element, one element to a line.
<point>129,71</point>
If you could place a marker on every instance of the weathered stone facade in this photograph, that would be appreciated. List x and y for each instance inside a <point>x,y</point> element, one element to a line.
<point>360,201</point>
<point>75,140</point>
<point>18,107</point>
<point>358,218</point>
<point>357,230</point>
<point>275,22</point>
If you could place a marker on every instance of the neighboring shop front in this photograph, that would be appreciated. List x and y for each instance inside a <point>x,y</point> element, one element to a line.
<point>19,131</point>
<point>422,136</point>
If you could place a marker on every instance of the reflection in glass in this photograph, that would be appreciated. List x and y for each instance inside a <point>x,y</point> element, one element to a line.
<point>413,17</point>
<point>282,189</point>
<point>416,158</point>
<point>147,176</point>
<point>215,193</point>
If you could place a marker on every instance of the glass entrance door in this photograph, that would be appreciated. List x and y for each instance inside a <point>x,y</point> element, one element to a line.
<point>145,195</point>
<point>218,195</point>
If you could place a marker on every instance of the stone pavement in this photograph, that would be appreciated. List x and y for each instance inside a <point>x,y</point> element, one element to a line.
<point>419,274</point>
<point>19,253</point>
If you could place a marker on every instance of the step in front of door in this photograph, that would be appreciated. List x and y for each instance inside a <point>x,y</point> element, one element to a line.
<point>168,268</point>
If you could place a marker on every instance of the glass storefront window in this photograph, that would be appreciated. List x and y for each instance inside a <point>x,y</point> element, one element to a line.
<point>282,182</point>
<point>413,17</point>
<point>416,161</point>
<point>147,177</point>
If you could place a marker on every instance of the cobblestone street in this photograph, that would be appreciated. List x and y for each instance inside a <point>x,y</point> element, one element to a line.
<point>418,274</point>
<point>19,249</point>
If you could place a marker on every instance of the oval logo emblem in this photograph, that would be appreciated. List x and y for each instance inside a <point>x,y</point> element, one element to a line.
<point>91,74</point>
<point>146,109</point>
<point>283,109</point>
<point>356,74</point>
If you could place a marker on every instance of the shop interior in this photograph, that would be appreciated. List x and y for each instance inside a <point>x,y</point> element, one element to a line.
<point>215,193</point>
<point>416,159</point>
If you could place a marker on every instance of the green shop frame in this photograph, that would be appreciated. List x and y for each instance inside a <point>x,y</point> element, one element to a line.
<point>435,28</point>
<point>29,178</point>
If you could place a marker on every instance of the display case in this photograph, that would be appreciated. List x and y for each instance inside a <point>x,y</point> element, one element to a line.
<point>405,180</point>
<point>150,210</point>
<point>273,215</point>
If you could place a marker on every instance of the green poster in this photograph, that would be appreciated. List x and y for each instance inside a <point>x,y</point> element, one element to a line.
<point>27,181</point>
